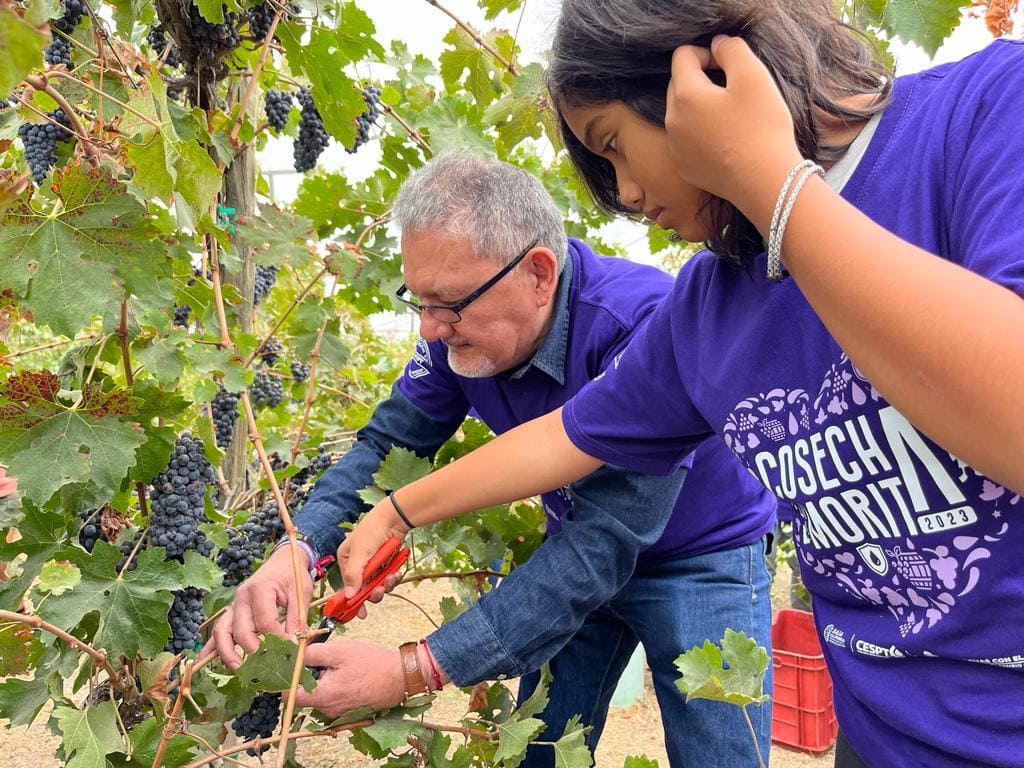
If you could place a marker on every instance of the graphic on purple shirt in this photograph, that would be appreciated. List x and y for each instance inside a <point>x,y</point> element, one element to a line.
<point>914,560</point>
<point>601,303</point>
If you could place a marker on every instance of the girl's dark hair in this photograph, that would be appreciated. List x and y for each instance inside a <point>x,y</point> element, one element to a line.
<point>621,50</point>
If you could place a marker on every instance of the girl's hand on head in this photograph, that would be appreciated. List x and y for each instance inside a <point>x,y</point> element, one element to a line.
<point>735,142</point>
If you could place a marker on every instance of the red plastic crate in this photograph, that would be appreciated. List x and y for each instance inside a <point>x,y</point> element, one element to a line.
<point>802,713</point>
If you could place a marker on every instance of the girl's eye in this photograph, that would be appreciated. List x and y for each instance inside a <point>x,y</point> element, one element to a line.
<point>611,146</point>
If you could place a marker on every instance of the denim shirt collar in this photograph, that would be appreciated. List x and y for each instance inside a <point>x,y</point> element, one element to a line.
<point>550,358</point>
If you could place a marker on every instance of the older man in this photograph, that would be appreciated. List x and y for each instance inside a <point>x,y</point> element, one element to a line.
<point>514,319</point>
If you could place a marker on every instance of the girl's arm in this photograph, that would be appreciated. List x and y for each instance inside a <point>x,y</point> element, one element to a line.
<point>532,458</point>
<point>942,344</point>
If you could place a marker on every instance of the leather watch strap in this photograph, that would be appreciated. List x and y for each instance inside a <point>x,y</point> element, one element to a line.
<point>414,682</point>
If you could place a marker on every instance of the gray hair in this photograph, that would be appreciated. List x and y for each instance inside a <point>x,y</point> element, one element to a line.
<point>500,208</point>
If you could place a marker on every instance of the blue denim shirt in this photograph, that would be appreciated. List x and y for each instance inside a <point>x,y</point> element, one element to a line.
<point>540,605</point>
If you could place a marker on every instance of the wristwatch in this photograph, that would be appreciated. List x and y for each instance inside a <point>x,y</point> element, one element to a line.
<point>414,682</point>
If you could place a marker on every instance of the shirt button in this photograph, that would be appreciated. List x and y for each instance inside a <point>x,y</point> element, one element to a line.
<point>502,677</point>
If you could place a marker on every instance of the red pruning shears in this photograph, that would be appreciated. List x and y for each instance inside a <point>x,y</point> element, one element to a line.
<point>388,559</point>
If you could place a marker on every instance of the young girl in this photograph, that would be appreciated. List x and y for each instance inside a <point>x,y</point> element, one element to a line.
<point>871,378</point>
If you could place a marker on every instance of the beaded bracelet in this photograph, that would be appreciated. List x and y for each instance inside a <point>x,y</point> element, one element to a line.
<point>434,672</point>
<point>783,208</point>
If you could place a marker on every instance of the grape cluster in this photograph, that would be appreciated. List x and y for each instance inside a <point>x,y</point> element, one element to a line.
<point>278,106</point>
<point>271,351</point>
<point>368,119</point>
<point>58,52</point>
<point>300,371</point>
<point>211,39</point>
<point>312,139</point>
<point>158,42</point>
<point>225,414</point>
<point>259,721</point>
<point>300,485</point>
<point>40,142</point>
<point>247,543</point>
<point>185,616</point>
<point>260,18</point>
<point>181,313</point>
<point>265,279</point>
<point>266,390</point>
<point>177,496</point>
<point>59,49</point>
<point>89,533</point>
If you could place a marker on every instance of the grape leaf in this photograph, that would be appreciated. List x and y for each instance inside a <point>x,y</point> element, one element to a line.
<point>639,761</point>
<point>400,467</point>
<point>132,610</point>
<point>42,534</point>
<point>165,160</point>
<point>145,738</point>
<point>277,237</point>
<point>538,700</point>
<point>390,732</point>
<point>21,700</point>
<point>925,22</point>
<point>269,667</point>
<point>57,578</point>
<point>80,255</point>
<point>20,44</point>
<point>494,7</point>
<point>571,749</point>
<point>482,78</point>
<point>733,673</point>
<point>49,445</point>
<point>514,736</point>
<point>89,735</point>
<point>20,649</point>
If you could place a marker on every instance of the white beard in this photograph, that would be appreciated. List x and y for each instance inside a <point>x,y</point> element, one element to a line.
<point>481,369</point>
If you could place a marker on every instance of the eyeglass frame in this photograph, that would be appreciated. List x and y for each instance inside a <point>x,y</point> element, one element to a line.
<point>469,298</point>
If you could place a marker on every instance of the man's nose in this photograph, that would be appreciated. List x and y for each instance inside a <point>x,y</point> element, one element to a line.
<point>433,329</point>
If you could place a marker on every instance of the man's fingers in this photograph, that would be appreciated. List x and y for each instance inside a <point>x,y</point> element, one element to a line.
<point>244,633</point>
<point>222,641</point>
<point>265,612</point>
<point>320,655</point>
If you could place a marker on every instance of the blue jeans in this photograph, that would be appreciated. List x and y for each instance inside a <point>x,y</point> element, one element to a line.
<point>669,607</point>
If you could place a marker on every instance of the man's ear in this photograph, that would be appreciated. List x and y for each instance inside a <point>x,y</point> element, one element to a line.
<point>542,266</point>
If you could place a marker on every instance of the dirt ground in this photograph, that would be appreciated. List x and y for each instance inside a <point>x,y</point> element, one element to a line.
<point>631,730</point>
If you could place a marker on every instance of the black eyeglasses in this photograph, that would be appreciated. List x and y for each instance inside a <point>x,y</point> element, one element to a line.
<point>452,313</point>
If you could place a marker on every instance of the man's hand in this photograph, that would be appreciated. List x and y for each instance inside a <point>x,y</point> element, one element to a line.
<point>355,675</point>
<point>255,610</point>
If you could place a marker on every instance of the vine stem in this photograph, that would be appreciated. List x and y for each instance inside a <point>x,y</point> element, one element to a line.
<point>753,735</point>
<point>448,575</point>
<point>250,87</point>
<point>100,657</point>
<point>348,395</point>
<point>477,37</point>
<point>255,744</point>
<point>314,357</point>
<point>285,314</point>
<point>122,332</point>
<point>68,76</point>
<point>41,84</point>
<point>333,731</point>
<point>174,718</point>
<point>282,510</point>
<point>51,345</point>
<point>413,133</point>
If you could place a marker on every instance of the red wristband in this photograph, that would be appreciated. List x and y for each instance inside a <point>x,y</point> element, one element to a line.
<point>433,667</point>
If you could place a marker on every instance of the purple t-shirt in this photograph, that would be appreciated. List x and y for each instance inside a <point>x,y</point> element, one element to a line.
<point>915,560</point>
<point>600,307</point>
